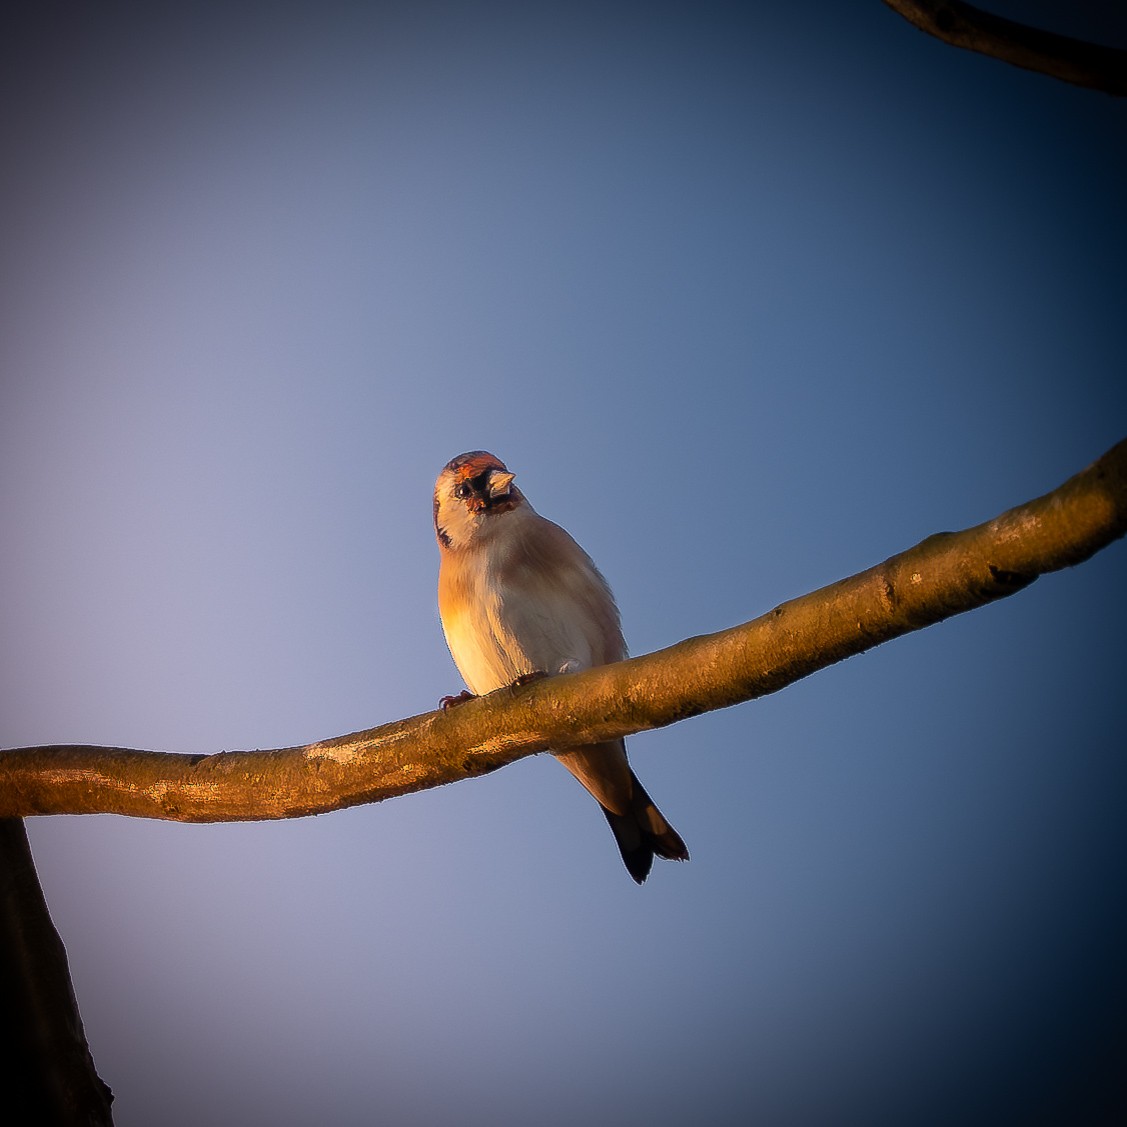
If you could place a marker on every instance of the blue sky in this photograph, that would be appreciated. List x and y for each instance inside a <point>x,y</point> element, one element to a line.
<point>750,297</point>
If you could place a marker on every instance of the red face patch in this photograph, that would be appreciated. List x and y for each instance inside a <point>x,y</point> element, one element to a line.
<point>475,465</point>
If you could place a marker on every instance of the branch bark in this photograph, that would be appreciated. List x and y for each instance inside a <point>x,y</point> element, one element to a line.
<point>1059,56</point>
<point>944,575</point>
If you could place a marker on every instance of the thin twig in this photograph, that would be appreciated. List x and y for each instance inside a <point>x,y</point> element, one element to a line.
<point>1059,56</point>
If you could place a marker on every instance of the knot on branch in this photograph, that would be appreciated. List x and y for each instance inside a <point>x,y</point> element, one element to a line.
<point>1007,582</point>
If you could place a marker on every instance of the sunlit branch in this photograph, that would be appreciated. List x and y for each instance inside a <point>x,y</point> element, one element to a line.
<point>1070,60</point>
<point>944,575</point>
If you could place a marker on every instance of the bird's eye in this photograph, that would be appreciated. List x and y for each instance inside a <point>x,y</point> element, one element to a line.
<point>462,491</point>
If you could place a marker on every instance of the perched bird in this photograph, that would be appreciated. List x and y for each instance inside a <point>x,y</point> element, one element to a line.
<point>519,597</point>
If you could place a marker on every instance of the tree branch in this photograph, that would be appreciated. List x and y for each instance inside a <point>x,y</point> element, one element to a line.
<point>1059,56</point>
<point>944,575</point>
<point>49,1075</point>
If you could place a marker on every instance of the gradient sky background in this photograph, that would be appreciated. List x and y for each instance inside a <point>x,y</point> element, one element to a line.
<point>750,296</point>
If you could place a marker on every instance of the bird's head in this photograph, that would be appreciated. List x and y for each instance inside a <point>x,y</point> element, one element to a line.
<point>472,489</point>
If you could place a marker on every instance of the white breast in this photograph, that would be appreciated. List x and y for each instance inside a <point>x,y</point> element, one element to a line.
<point>506,633</point>
<point>512,621</point>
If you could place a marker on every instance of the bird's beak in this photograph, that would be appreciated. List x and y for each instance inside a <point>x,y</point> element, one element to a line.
<point>499,482</point>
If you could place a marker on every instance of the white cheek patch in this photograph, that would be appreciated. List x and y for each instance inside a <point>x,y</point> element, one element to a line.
<point>570,666</point>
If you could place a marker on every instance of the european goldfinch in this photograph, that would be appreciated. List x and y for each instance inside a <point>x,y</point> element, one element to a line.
<point>519,597</point>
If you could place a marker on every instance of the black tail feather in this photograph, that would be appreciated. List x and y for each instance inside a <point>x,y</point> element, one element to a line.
<point>643,833</point>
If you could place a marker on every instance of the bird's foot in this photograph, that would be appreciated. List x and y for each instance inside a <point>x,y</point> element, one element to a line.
<point>528,678</point>
<point>450,702</point>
